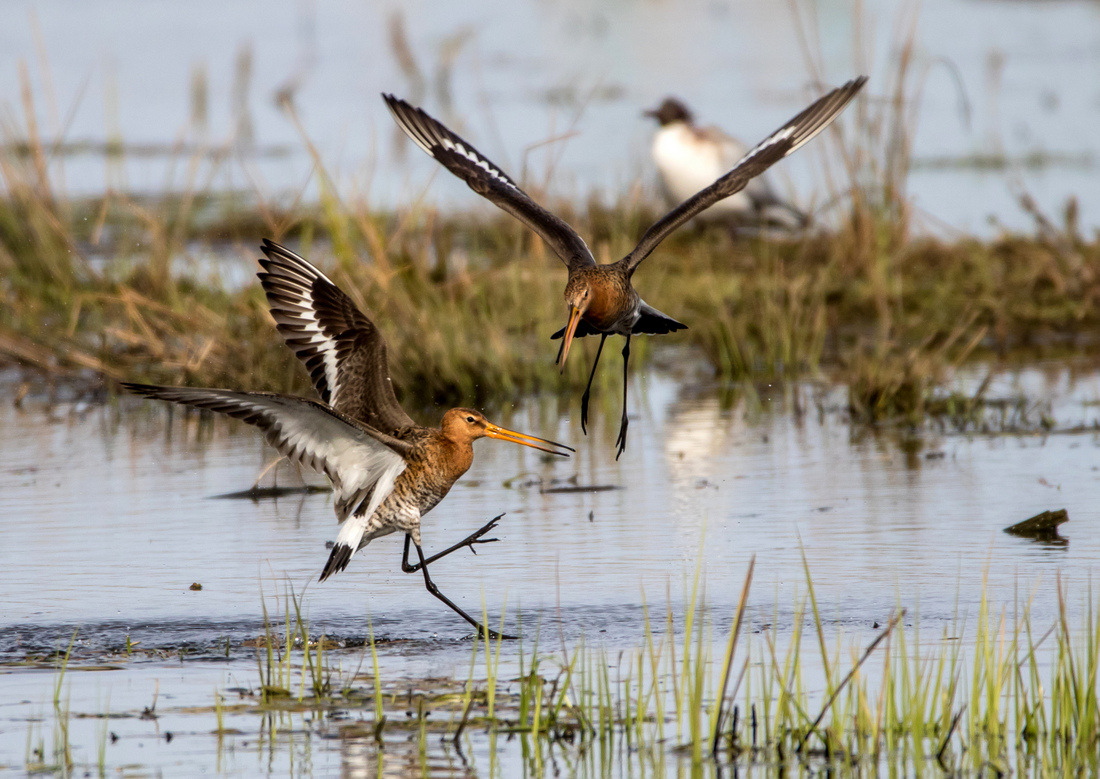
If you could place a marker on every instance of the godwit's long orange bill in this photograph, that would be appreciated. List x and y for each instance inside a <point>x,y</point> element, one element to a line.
<point>567,340</point>
<point>504,434</point>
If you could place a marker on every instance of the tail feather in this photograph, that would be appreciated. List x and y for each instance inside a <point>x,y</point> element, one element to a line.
<point>653,322</point>
<point>337,561</point>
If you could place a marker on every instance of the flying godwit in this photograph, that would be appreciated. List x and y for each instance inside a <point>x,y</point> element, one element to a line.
<point>689,157</point>
<point>386,470</point>
<point>601,299</point>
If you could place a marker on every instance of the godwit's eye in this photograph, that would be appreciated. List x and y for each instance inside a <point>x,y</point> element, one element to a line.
<point>469,419</point>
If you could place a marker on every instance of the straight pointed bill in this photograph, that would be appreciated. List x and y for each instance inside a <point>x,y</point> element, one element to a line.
<point>567,339</point>
<point>504,434</point>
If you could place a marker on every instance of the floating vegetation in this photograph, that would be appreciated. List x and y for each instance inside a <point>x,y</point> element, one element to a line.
<point>1035,160</point>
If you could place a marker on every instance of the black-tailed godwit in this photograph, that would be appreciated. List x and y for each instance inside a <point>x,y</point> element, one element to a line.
<point>387,472</point>
<point>601,298</point>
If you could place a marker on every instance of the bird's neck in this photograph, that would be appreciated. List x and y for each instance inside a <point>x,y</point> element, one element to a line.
<point>456,455</point>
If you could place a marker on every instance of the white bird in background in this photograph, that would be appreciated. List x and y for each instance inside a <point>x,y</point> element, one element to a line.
<point>690,158</point>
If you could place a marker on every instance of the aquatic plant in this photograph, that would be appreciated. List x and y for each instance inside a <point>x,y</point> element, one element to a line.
<point>1001,700</point>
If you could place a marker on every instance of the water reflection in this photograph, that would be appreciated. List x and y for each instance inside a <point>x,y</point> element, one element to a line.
<point>110,520</point>
<point>117,519</point>
<point>363,757</point>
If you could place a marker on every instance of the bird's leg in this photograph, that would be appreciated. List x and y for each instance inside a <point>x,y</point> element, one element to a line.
<point>588,388</point>
<point>470,540</point>
<point>621,442</point>
<point>481,629</point>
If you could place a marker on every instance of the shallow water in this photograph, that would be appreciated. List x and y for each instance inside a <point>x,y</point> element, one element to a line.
<point>997,76</point>
<point>110,515</point>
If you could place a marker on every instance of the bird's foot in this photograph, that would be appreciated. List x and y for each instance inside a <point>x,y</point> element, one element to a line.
<point>482,631</point>
<point>620,443</point>
<point>584,412</point>
<point>476,536</point>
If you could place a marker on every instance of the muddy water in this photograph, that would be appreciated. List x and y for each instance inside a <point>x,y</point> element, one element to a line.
<point>110,515</point>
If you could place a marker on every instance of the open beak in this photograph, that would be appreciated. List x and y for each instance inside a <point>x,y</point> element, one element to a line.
<point>503,434</point>
<point>570,329</point>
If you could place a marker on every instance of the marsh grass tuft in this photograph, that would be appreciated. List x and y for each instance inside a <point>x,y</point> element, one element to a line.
<point>467,304</point>
<point>109,284</point>
<point>1001,698</point>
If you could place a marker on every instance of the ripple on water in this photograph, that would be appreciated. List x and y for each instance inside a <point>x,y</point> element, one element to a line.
<point>116,521</point>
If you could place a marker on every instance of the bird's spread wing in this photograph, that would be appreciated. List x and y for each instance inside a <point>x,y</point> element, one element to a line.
<point>489,181</point>
<point>342,349</point>
<point>362,464</point>
<point>792,135</point>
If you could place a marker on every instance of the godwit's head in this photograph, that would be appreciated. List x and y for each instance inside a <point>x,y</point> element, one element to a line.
<point>465,425</point>
<point>578,296</point>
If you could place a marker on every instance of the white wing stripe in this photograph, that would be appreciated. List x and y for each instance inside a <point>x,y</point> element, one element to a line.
<point>311,325</point>
<point>307,433</point>
<point>478,160</point>
<point>771,140</point>
<point>295,282</point>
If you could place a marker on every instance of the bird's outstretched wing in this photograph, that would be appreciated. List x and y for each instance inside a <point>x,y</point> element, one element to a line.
<point>361,463</point>
<point>342,349</point>
<point>489,181</point>
<point>792,135</point>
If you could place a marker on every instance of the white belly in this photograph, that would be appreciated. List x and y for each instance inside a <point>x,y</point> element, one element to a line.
<point>687,164</point>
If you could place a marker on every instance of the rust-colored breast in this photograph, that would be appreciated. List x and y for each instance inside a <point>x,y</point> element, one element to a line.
<point>434,466</point>
<point>610,300</point>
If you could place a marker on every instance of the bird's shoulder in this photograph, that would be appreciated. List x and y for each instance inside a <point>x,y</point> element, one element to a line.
<point>418,437</point>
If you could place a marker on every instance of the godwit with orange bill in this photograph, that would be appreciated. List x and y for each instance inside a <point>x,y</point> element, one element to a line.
<point>601,298</point>
<point>386,471</point>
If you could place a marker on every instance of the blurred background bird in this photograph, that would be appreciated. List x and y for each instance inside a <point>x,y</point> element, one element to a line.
<point>689,158</point>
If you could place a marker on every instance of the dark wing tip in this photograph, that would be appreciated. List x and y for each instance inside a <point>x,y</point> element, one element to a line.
<point>421,128</point>
<point>583,329</point>
<point>271,249</point>
<point>276,251</point>
<point>337,561</point>
<point>145,390</point>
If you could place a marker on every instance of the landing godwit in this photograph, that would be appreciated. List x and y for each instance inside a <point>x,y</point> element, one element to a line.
<point>386,470</point>
<point>601,299</point>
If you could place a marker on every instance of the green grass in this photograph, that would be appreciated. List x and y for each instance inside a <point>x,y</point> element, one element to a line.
<point>467,303</point>
<point>1007,697</point>
<point>893,329</point>
<point>994,691</point>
